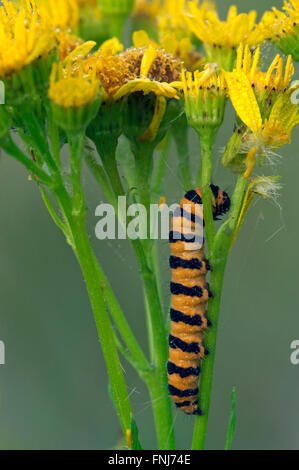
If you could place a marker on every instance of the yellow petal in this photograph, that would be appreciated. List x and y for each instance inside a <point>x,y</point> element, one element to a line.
<point>147,86</point>
<point>243,99</point>
<point>141,39</point>
<point>80,51</point>
<point>150,134</point>
<point>112,46</point>
<point>148,59</point>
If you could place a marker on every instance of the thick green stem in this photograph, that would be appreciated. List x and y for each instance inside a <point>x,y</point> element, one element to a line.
<point>155,378</point>
<point>76,143</point>
<point>102,179</point>
<point>206,142</point>
<point>180,133</point>
<point>162,409</point>
<point>157,383</point>
<point>111,168</point>
<point>158,189</point>
<point>112,303</point>
<point>218,258</point>
<point>74,215</point>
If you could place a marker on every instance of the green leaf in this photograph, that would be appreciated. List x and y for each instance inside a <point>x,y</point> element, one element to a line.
<point>232,421</point>
<point>135,436</point>
<point>111,394</point>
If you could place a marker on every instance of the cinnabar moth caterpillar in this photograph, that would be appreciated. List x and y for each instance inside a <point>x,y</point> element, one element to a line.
<point>190,295</point>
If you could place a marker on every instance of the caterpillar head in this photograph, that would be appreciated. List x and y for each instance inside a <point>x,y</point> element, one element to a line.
<point>222,202</point>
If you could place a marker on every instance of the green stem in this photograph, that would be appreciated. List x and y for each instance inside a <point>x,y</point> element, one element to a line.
<point>93,281</point>
<point>157,379</point>
<point>206,141</point>
<point>76,143</point>
<point>219,257</point>
<point>74,215</point>
<point>162,409</point>
<point>157,382</point>
<point>111,168</point>
<point>101,177</point>
<point>180,133</point>
<point>112,303</point>
<point>159,171</point>
<point>54,139</point>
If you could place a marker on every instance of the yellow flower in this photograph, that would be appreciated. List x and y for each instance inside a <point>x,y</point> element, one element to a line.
<point>208,80</point>
<point>67,43</point>
<point>283,27</point>
<point>205,97</point>
<point>154,74</point>
<point>181,49</point>
<point>262,136</point>
<point>171,18</point>
<point>206,25</point>
<point>149,70</point>
<point>221,38</point>
<point>24,36</point>
<point>79,54</point>
<point>60,14</point>
<point>69,91</point>
<point>273,81</point>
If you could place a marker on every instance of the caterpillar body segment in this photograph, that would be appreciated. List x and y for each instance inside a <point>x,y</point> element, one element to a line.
<point>190,295</point>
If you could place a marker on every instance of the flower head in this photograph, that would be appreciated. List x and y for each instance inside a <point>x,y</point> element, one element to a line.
<point>221,38</point>
<point>171,19</point>
<point>24,36</point>
<point>205,97</point>
<point>60,14</point>
<point>75,97</point>
<point>268,85</point>
<point>149,70</point>
<point>182,49</point>
<point>282,28</point>
<point>67,43</point>
<point>260,136</point>
<point>67,90</point>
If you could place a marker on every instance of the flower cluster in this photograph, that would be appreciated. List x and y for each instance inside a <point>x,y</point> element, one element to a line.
<point>194,62</point>
<point>118,83</point>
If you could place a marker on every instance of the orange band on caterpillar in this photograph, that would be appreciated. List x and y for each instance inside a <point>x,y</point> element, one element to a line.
<point>190,295</point>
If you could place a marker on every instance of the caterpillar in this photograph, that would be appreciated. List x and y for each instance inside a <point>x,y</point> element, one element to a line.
<point>190,295</point>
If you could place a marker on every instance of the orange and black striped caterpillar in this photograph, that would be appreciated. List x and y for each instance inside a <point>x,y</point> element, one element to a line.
<point>190,295</point>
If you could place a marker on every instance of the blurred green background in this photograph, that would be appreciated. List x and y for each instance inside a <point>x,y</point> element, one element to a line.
<point>53,388</point>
